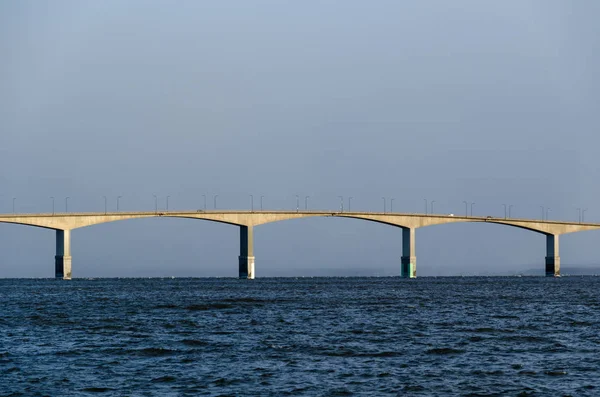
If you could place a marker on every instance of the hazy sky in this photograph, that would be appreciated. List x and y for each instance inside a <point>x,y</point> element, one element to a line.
<point>491,102</point>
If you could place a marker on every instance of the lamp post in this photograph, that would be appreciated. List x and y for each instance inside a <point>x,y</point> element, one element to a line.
<point>472,204</point>
<point>466,206</point>
<point>432,201</point>
<point>167,208</point>
<point>261,207</point>
<point>215,200</point>
<point>251,203</point>
<point>349,202</point>
<point>155,203</point>
<point>204,196</point>
<point>67,204</point>
<point>118,198</point>
<point>547,210</point>
<point>306,203</point>
<point>105,210</point>
<point>52,205</point>
<point>14,198</point>
<point>425,206</point>
<point>583,214</point>
<point>542,207</point>
<point>383,198</point>
<point>391,205</point>
<point>509,210</point>
<point>341,203</point>
<point>297,203</point>
<point>504,210</point>
<point>579,215</point>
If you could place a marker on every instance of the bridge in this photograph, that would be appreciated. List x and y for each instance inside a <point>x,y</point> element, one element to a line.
<point>64,223</point>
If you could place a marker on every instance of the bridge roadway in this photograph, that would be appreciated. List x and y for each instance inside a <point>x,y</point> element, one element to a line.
<point>64,223</point>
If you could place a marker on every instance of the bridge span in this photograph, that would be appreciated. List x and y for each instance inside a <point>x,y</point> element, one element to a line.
<point>64,223</point>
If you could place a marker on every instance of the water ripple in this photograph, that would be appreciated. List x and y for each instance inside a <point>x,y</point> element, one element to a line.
<point>305,336</point>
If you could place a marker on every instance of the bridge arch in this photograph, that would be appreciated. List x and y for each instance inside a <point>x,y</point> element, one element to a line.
<point>488,220</point>
<point>316,246</point>
<point>32,224</point>
<point>292,216</point>
<point>154,247</point>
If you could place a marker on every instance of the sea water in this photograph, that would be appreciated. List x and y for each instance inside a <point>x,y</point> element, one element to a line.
<point>451,336</point>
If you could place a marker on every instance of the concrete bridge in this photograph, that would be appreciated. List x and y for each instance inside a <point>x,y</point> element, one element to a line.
<point>64,223</point>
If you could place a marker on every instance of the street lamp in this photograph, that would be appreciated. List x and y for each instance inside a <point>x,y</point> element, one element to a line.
<point>392,205</point>
<point>52,205</point>
<point>341,203</point>
<point>547,210</point>
<point>215,200</point>
<point>261,207</point>
<point>204,196</point>
<point>579,214</point>
<point>67,204</point>
<point>466,210</point>
<point>383,198</point>
<point>104,205</point>
<point>167,208</point>
<point>509,207</point>
<point>432,201</point>
<point>14,198</point>
<point>583,214</point>
<point>118,198</point>
<point>297,203</point>
<point>472,204</point>
<point>542,207</point>
<point>306,203</point>
<point>349,202</point>
<point>251,203</point>
<point>425,206</point>
<point>155,203</point>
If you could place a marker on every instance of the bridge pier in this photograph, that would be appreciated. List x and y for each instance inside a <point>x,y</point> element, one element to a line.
<point>246,252</point>
<point>62,260</point>
<point>552,256</point>
<point>409,256</point>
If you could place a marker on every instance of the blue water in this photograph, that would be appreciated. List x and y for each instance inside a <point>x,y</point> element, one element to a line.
<point>309,336</point>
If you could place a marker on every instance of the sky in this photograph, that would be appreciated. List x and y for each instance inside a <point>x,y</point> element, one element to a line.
<point>487,102</point>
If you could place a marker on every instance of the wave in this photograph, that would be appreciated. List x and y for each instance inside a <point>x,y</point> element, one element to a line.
<point>444,350</point>
<point>194,342</point>
<point>164,379</point>
<point>97,389</point>
<point>209,306</point>
<point>154,352</point>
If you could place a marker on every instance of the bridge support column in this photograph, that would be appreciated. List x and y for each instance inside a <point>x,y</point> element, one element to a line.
<point>409,256</point>
<point>62,260</point>
<point>246,252</point>
<point>552,256</point>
